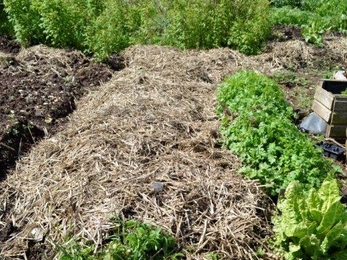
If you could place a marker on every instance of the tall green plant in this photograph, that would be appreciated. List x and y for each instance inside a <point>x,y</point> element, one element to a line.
<point>111,31</point>
<point>5,25</point>
<point>25,21</point>
<point>62,21</point>
<point>251,26</point>
<point>241,24</point>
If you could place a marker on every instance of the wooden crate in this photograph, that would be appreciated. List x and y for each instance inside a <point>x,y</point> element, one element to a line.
<point>331,105</point>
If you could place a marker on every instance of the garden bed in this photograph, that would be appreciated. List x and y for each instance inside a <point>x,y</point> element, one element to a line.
<point>153,124</point>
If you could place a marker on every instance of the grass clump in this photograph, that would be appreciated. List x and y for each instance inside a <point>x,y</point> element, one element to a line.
<point>256,123</point>
<point>130,240</point>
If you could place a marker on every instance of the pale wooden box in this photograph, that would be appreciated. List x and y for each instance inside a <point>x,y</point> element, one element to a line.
<point>331,105</point>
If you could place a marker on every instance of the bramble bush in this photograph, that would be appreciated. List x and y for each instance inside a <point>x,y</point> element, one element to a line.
<point>257,125</point>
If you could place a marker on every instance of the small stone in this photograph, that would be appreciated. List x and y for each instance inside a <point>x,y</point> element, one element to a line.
<point>158,186</point>
<point>38,112</point>
<point>37,234</point>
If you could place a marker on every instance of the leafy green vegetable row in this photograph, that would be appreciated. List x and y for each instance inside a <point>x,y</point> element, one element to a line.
<point>257,126</point>
<point>315,17</point>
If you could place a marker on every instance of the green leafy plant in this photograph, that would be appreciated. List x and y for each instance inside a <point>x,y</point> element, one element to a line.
<point>311,226</point>
<point>313,33</point>
<point>129,240</point>
<point>107,26</point>
<point>5,25</point>
<point>256,123</point>
<point>62,21</point>
<point>290,15</point>
<point>292,3</point>
<point>25,21</point>
<point>316,17</point>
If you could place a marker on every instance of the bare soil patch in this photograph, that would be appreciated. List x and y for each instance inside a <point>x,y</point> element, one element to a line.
<point>146,146</point>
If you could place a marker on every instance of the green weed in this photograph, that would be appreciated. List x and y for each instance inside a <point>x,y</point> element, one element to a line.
<point>129,240</point>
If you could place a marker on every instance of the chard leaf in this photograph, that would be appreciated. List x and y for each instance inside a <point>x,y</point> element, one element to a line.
<point>314,204</point>
<point>310,244</point>
<point>331,216</point>
<point>336,237</point>
<point>329,194</point>
<point>314,225</point>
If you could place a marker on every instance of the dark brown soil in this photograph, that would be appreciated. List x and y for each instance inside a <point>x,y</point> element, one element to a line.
<point>9,46</point>
<point>287,32</point>
<point>39,91</point>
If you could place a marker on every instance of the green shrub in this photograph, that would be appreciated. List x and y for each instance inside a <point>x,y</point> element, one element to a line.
<point>130,240</point>
<point>251,26</point>
<point>241,24</point>
<point>25,21</point>
<point>59,23</point>
<point>257,126</point>
<point>106,26</point>
<point>62,21</point>
<point>281,3</point>
<point>118,26</point>
<point>311,226</point>
<point>5,25</point>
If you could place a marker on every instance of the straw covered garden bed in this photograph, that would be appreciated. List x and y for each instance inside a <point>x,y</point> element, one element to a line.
<point>145,145</point>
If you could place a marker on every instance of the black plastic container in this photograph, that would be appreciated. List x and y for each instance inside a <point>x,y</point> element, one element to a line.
<point>332,150</point>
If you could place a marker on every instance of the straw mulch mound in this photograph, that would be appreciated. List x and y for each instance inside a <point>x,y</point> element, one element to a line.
<point>296,55</point>
<point>145,146</point>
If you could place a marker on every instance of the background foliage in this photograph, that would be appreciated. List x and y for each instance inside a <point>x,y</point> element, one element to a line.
<point>105,26</point>
<point>316,17</point>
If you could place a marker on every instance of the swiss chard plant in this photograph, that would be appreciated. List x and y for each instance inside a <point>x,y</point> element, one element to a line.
<point>311,225</point>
